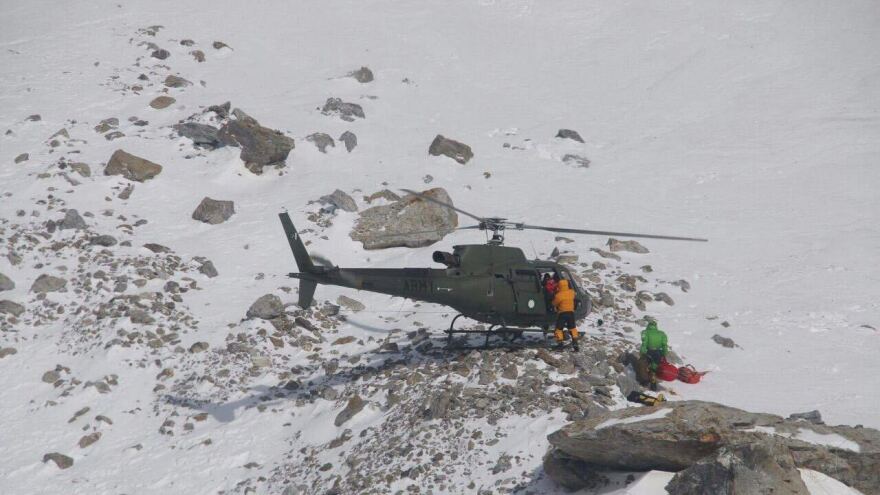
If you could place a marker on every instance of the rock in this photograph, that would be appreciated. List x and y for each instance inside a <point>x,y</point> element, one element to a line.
<point>354,406</point>
<point>321,140</point>
<point>173,81</point>
<point>51,376</point>
<point>410,221</point>
<point>502,465</point>
<point>202,135</point>
<point>677,435</point>
<point>222,111</point>
<point>363,75</point>
<point>11,308</point>
<point>220,45</point>
<point>82,169</point>
<point>578,160</point>
<point>349,139</point>
<point>605,254</point>
<point>198,55</point>
<point>161,54</point>
<point>572,474</point>
<point>345,111</point>
<point>758,469</point>
<point>187,42</point>
<point>140,317</point>
<point>6,283</point>
<point>72,220</point>
<point>348,339</point>
<point>459,152</point>
<point>260,146</point>
<point>157,248</point>
<point>34,118</point>
<point>632,246</point>
<point>24,157</point>
<point>110,136</point>
<point>131,167</point>
<point>724,341</point>
<point>161,102</point>
<point>814,417</point>
<point>47,283</point>
<point>103,240</point>
<point>106,125</point>
<point>60,460</point>
<point>340,199</point>
<point>350,304</point>
<point>198,347</point>
<point>213,211</point>
<point>207,268</point>
<point>89,439</point>
<point>662,296</point>
<point>267,307</point>
<point>569,134</point>
<point>7,351</point>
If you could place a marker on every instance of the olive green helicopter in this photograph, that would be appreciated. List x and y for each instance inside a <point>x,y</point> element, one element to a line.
<point>490,283</point>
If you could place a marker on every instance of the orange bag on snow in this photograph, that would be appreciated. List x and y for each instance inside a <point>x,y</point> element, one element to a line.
<point>689,374</point>
<point>666,371</point>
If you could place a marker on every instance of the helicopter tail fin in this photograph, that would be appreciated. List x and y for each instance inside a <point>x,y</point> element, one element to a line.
<point>303,261</point>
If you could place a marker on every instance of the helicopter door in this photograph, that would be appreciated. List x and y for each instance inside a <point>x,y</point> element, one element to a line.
<point>529,296</point>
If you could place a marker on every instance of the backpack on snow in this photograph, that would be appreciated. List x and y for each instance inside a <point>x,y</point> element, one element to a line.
<point>689,374</point>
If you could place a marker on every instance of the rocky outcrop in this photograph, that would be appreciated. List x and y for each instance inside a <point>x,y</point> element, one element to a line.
<point>322,141</point>
<point>173,81</point>
<point>267,307</point>
<point>6,283</point>
<point>349,139</point>
<point>60,460</point>
<point>213,211</point>
<point>630,246</point>
<point>409,221</point>
<point>202,135</point>
<point>11,307</point>
<point>131,167</point>
<point>362,75</point>
<point>72,220</point>
<point>711,443</point>
<point>459,152</point>
<point>341,200</point>
<point>260,146</point>
<point>161,102</point>
<point>48,283</point>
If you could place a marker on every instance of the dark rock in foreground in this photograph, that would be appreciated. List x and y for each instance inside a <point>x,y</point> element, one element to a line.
<point>349,139</point>
<point>60,460</point>
<point>48,283</point>
<point>712,444</point>
<point>267,307</point>
<point>345,111</point>
<point>6,283</point>
<point>569,134</point>
<point>202,135</point>
<point>363,75</point>
<point>72,220</point>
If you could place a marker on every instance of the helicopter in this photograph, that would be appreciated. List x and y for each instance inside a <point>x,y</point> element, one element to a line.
<point>490,283</point>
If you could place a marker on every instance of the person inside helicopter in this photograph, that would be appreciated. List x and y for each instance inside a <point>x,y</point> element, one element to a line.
<point>550,283</point>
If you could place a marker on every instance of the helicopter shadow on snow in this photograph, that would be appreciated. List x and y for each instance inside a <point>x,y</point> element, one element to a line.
<point>310,382</point>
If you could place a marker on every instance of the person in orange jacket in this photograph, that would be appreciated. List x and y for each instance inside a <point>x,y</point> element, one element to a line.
<point>563,301</point>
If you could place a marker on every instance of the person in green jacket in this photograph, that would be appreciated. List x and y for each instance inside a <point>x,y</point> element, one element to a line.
<point>654,348</point>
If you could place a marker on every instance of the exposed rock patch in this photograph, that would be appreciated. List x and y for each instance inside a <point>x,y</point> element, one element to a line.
<point>6,283</point>
<point>345,111</point>
<point>322,141</point>
<point>202,135</point>
<point>349,139</point>
<point>459,152</point>
<point>630,246</point>
<point>569,134</point>
<point>131,167</point>
<point>48,283</point>
<point>213,211</point>
<point>161,102</point>
<point>410,222</point>
<point>340,199</point>
<point>260,146</point>
<point>362,75</point>
<point>267,307</point>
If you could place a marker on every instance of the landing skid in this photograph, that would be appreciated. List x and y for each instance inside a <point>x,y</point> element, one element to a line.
<point>509,335</point>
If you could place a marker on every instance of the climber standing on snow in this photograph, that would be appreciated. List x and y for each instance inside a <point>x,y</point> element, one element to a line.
<point>563,301</point>
<point>653,351</point>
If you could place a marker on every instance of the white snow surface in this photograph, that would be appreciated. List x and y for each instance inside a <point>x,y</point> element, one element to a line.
<point>814,437</point>
<point>754,124</point>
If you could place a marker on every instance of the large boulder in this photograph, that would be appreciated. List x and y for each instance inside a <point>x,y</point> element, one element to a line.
<point>764,468</point>
<point>349,139</point>
<point>11,307</point>
<point>459,152</point>
<point>6,283</point>
<point>213,211</point>
<point>260,146</point>
<point>362,75</point>
<point>679,435</point>
<point>72,220</point>
<point>341,200</point>
<point>409,221</point>
<point>131,167</point>
<point>202,135</point>
<point>267,307</point>
<point>48,283</point>
<point>631,246</point>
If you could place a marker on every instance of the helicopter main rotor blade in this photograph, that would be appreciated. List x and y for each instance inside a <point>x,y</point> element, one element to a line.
<point>441,203</point>
<point>398,234</point>
<point>619,234</point>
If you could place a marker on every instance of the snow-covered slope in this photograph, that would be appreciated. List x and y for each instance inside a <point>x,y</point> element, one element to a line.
<point>754,124</point>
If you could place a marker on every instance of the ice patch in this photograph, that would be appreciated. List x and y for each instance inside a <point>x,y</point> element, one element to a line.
<point>827,440</point>
<point>821,484</point>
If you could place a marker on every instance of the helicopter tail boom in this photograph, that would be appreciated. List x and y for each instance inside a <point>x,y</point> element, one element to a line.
<point>307,285</point>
